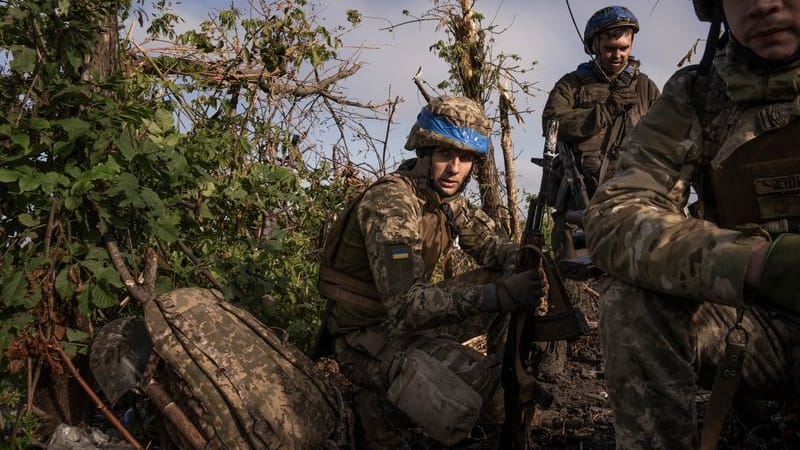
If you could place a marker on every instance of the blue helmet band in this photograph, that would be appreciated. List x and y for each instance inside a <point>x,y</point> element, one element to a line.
<point>467,136</point>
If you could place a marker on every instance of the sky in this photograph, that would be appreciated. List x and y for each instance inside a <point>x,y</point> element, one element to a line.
<point>540,30</point>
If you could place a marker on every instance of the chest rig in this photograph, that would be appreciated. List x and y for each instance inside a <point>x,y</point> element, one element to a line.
<point>751,163</point>
<point>353,288</point>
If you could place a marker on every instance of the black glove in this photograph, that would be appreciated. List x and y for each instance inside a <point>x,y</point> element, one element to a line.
<point>519,292</point>
<point>780,276</point>
<point>622,98</point>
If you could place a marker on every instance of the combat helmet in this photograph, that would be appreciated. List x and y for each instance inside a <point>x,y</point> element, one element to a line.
<point>704,9</point>
<point>452,121</point>
<point>606,19</point>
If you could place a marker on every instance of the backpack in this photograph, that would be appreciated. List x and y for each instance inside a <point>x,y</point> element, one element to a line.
<point>240,384</point>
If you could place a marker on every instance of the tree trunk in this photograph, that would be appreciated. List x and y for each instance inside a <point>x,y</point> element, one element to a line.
<point>470,71</point>
<point>104,60</point>
<point>507,146</point>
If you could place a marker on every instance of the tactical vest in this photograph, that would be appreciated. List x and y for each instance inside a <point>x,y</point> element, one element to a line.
<point>358,302</point>
<point>751,161</point>
<point>593,90</point>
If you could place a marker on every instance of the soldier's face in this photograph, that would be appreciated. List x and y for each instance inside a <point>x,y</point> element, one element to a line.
<point>450,167</point>
<point>770,28</point>
<point>613,52</point>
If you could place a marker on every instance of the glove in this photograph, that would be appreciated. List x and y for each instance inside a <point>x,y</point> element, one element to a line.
<point>510,261</point>
<point>622,98</point>
<point>519,292</point>
<point>780,276</point>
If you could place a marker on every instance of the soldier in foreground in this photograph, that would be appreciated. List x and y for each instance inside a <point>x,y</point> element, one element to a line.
<point>598,104</point>
<point>714,292</point>
<point>376,272</point>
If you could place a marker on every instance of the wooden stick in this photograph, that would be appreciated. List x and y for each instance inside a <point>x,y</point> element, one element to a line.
<point>103,408</point>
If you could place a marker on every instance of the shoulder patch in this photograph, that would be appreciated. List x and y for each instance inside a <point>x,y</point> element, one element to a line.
<point>399,263</point>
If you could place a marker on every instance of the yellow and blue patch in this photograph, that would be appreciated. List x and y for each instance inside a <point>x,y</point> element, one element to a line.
<point>399,268</point>
<point>401,252</point>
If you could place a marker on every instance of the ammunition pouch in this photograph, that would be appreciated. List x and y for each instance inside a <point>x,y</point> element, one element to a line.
<point>440,402</point>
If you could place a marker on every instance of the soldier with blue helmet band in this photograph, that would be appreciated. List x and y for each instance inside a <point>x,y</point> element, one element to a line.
<point>386,316</point>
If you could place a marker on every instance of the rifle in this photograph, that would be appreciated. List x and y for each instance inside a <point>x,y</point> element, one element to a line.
<point>572,187</point>
<point>562,322</point>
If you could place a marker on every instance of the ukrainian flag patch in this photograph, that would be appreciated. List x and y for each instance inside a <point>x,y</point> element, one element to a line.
<point>400,252</point>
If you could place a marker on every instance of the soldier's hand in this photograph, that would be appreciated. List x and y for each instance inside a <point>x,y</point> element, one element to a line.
<point>780,277</point>
<point>519,292</point>
<point>622,98</point>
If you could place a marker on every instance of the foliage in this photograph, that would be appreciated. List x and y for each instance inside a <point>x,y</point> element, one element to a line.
<point>204,153</point>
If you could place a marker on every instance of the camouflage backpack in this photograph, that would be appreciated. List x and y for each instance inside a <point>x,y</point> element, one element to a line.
<point>237,381</point>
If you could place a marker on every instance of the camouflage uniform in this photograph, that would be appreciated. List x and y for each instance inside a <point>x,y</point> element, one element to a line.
<point>579,103</point>
<point>678,279</point>
<point>388,247</point>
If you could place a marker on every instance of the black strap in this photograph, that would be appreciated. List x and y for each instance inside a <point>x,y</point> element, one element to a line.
<point>729,373</point>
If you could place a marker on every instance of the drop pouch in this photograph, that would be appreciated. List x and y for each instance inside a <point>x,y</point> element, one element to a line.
<point>441,403</point>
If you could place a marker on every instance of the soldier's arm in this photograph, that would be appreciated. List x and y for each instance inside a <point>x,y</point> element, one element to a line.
<point>389,216</point>
<point>575,121</point>
<point>636,226</point>
<point>480,236</point>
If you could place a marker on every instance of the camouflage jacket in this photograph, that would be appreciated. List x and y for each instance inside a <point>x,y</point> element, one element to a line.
<point>637,226</point>
<point>382,244</point>
<point>579,102</point>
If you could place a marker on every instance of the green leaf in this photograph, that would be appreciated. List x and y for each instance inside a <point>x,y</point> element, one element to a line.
<point>83,302</point>
<point>152,200</point>
<point>8,175</point>
<point>27,220</point>
<point>102,299</point>
<point>93,266</point>
<point>29,181</point>
<point>74,127</point>
<point>23,140</point>
<point>74,335</point>
<point>37,123</point>
<point>71,202</point>
<point>127,185</point>
<point>24,59</point>
<point>64,285</point>
<point>163,118</point>
<point>70,349</point>
<point>80,187</point>
<point>125,145</point>
<point>29,301</point>
<point>51,179</point>
<point>110,276</point>
<point>14,289</point>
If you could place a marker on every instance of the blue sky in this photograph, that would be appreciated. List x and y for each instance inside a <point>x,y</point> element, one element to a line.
<point>539,30</point>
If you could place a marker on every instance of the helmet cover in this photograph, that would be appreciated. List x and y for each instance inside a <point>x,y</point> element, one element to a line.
<point>606,19</point>
<point>456,122</point>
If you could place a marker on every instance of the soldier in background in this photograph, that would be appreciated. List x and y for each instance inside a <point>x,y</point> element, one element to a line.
<point>715,291</point>
<point>383,309</point>
<point>597,105</point>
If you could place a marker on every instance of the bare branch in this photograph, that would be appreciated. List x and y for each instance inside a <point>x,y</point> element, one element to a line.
<point>136,291</point>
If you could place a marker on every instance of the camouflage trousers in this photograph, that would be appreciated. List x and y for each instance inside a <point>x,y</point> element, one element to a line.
<point>370,359</point>
<point>659,349</point>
